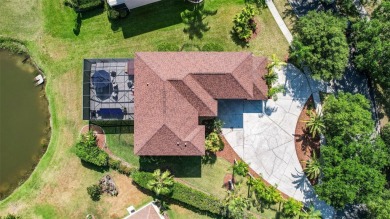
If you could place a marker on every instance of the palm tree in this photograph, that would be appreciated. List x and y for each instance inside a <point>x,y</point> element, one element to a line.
<point>275,62</point>
<point>162,183</point>
<point>240,168</point>
<point>312,213</point>
<point>313,167</point>
<point>315,124</point>
<point>88,139</point>
<point>270,78</point>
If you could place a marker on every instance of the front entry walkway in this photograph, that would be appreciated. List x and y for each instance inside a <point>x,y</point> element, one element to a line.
<point>262,134</point>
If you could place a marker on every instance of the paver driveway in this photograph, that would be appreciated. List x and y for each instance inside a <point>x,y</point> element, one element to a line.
<point>262,134</point>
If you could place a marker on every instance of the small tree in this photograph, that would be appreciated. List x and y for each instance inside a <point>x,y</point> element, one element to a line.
<point>162,183</point>
<point>270,78</point>
<point>240,168</point>
<point>315,124</point>
<point>291,208</point>
<point>313,167</point>
<point>235,206</point>
<point>94,192</point>
<point>214,143</point>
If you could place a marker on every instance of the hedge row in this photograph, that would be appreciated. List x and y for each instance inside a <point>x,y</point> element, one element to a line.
<point>120,167</point>
<point>184,194</point>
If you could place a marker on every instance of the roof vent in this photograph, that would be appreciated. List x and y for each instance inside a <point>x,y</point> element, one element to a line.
<point>147,84</point>
<point>177,143</point>
<point>185,144</point>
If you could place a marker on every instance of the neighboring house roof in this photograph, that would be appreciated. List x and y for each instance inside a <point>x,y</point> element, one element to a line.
<point>149,211</point>
<point>174,89</point>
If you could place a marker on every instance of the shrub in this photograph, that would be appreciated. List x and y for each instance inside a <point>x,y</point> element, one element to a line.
<point>87,150</point>
<point>183,193</point>
<point>114,164</point>
<point>291,208</point>
<point>94,192</point>
<point>166,47</point>
<point>125,169</point>
<point>244,23</point>
<point>214,143</point>
<point>212,47</point>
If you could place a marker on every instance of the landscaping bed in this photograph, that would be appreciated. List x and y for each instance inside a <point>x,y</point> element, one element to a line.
<point>305,144</point>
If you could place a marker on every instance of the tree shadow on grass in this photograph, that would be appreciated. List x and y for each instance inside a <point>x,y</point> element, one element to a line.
<point>94,167</point>
<point>179,166</point>
<point>238,41</point>
<point>150,17</point>
<point>83,16</point>
<point>194,21</point>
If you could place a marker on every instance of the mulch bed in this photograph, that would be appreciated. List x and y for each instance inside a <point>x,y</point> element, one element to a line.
<point>229,154</point>
<point>304,143</point>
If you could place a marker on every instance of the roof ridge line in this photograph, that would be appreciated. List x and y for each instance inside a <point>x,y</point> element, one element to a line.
<point>232,73</point>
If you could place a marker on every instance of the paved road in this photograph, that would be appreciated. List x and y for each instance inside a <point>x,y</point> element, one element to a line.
<point>262,135</point>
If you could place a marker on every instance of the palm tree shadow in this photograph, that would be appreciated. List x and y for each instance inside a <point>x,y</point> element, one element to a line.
<point>194,21</point>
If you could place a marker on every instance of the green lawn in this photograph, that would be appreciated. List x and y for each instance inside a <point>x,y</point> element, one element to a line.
<point>57,187</point>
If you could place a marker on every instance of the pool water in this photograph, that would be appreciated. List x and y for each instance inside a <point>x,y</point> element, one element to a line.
<point>24,122</point>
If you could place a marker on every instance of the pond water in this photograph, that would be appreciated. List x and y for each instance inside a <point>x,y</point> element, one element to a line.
<point>24,122</point>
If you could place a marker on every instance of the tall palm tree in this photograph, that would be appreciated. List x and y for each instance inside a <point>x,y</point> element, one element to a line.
<point>162,183</point>
<point>313,167</point>
<point>315,124</point>
<point>250,183</point>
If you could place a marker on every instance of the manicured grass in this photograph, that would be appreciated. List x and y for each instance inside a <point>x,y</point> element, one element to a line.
<point>57,187</point>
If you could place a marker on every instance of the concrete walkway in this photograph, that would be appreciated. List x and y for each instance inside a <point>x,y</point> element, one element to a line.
<point>286,32</point>
<point>262,134</point>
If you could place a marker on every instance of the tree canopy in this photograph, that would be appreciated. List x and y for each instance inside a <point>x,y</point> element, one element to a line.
<point>371,40</point>
<point>347,116</point>
<point>320,43</point>
<point>353,159</point>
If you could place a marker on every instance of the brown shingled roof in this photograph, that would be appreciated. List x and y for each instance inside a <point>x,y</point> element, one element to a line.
<point>172,89</point>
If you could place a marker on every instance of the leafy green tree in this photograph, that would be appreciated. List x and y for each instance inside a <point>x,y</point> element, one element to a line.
<point>87,150</point>
<point>162,183</point>
<point>320,43</point>
<point>94,192</point>
<point>371,40</point>
<point>291,208</point>
<point>379,206</point>
<point>385,134</point>
<point>235,206</point>
<point>214,143</point>
<point>250,183</point>
<point>240,168</point>
<point>347,116</point>
<point>272,196</point>
<point>313,167</point>
<point>347,181</point>
<point>315,124</point>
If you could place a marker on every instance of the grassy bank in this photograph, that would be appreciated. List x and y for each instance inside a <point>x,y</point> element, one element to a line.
<point>57,187</point>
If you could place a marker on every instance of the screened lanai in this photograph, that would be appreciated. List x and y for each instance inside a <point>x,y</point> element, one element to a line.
<point>108,89</point>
